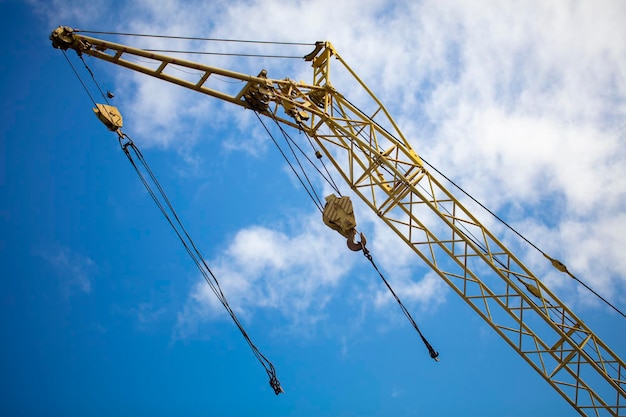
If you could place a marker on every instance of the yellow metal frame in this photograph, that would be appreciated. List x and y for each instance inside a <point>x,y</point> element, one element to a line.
<point>380,166</point>
<point>388,175</point>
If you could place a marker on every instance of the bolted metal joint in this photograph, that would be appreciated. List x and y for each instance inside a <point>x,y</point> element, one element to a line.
<point>258,96</point>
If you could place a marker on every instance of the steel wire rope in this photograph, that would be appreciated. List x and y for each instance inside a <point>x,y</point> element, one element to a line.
<point>195,38</point>
<point>180,230</point>
<point>246,55</point>
<point>293,152</point>
<point>557,264</point>
<point>309,192</point>
<point>79,78</point>
<point>93,77</point>
<point>194,253</point>
<point>366,252</point>
<point>433,354</point>
<point>182,69</point>
<point>328,179</point>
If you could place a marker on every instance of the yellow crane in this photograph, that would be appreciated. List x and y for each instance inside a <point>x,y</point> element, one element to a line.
<point>377,162</point>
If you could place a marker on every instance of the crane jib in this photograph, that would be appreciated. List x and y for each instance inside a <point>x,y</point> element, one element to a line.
<point>376,161</point>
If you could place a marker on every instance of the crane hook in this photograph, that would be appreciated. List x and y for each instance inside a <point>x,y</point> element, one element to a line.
<point>356,246</point>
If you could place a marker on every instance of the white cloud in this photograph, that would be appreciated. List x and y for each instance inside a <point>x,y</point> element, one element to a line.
<point>264,268</point>
<point>59,12</point>
<point>75,271</point>
<point>429,291</point>
<point>299,274</point>
<point>522,102</point>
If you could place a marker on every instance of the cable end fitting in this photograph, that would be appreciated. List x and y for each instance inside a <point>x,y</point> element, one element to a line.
<point>557,264</point>
<point>275,384</point>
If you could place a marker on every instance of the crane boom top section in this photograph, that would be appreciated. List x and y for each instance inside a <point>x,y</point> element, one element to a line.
<point>295,100</point>
<point>374,158</point>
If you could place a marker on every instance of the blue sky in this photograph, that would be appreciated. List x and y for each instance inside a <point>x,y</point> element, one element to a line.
<point>523,103</point>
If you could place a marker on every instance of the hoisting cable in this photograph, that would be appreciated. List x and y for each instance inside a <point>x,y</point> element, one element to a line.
<point>327,177</point>
<point>338,214</point>
<point>125,143</point>
<point>433,354</point>
<point>176,51</point>
<point>292,143</point>
<point>104,96</point>
<point>312,194</point>
<point>164,204</point>
<point>79,78</point>
<point>289,142</point>
<point>191,38</point>
<point>319,156</point>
